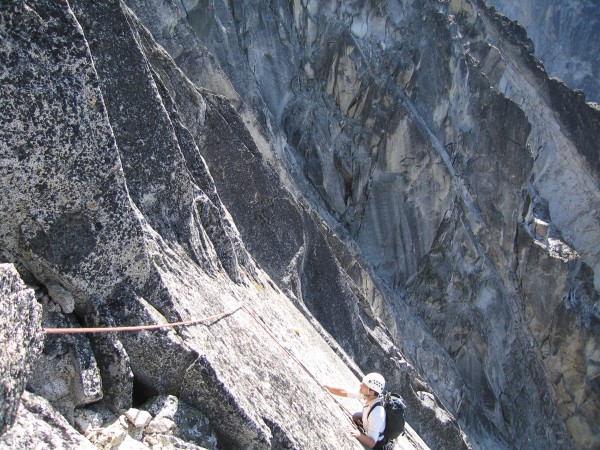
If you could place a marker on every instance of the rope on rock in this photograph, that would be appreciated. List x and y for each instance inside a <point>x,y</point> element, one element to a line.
<point>195,322</point>
<point>138,327</point>
<point>293,357</point>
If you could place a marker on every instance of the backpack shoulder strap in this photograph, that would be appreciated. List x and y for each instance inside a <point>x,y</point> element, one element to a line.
<point>375,405</point>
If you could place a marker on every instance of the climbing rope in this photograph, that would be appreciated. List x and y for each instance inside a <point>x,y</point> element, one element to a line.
<point>138,327</point>
<point>293,357</point>
<point>195,322</point>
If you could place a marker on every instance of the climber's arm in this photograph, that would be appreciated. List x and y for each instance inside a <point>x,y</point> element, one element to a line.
<point>341,392</point>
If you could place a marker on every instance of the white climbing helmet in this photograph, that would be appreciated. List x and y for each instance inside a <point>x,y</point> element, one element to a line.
<point>374,381</point>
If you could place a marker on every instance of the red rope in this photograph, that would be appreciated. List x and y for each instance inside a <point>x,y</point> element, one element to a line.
<point>293,357</point>
<point>193,322</point>
<point>138,327</point>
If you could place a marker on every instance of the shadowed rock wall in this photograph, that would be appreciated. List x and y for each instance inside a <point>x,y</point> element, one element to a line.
<point>102,171</point>
<point>394,187</point>
<point>404,122</point>
<point>565,36</point>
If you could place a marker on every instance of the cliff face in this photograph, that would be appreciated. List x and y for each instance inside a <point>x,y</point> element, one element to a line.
<point>359,186</point>
<point>21,340</point>
<point>565,35</point>
<point>112,216</point>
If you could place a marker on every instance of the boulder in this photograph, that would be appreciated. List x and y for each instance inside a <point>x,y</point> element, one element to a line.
<point>39,425</point>
<point>190,424</point>
<point>66,373</point>
<point>20,341</point>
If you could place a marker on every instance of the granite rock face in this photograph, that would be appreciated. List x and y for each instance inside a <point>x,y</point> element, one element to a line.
<point>111,213</point>
<point>20,341</point>
<point>354,186</point>
<point>429,136</point>
<point>39,425</point>
<point>565,36</point>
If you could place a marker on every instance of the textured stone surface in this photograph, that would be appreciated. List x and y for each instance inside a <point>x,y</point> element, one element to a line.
<point>20,341</point>
<point>368,179</point>
<point>66,372</point>
<point>39,425</point>
<point>190,424</point>
<point>430,134</point>
<point>150,245</point>
<point>565,35</point>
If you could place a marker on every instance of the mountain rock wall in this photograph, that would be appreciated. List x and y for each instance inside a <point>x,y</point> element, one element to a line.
<point>21,340</point>
<point>102,171</point>
<point>355,186</point>
<point>565,36</point>
<point>434,139</point>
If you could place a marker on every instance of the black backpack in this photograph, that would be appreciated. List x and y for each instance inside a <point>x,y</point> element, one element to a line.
<point>394,415</point>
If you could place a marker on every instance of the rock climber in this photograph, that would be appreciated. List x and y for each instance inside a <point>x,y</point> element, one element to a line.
<point>372,418</point>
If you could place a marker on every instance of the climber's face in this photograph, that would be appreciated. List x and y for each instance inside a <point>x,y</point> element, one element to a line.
<point>364,390</point>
